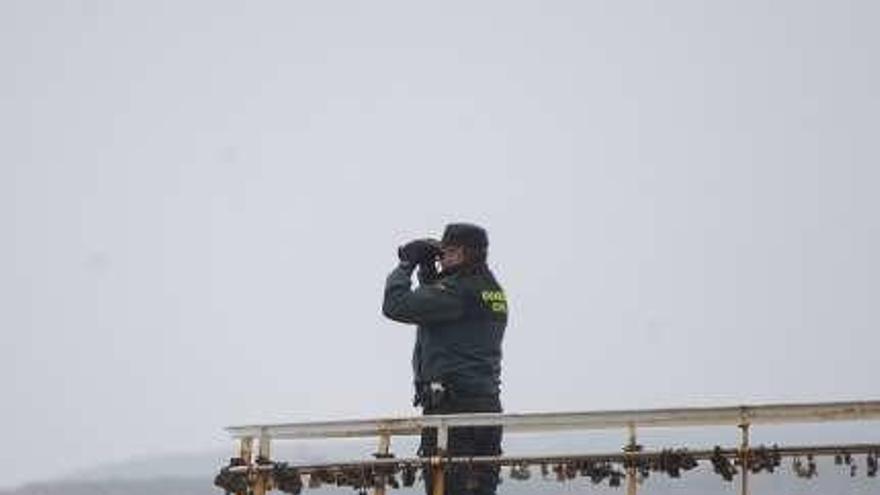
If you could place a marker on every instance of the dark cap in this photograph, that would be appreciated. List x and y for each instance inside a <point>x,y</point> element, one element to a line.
<point>465,234</point>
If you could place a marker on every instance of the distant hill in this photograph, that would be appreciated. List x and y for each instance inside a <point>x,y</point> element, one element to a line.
<point>162,486</point>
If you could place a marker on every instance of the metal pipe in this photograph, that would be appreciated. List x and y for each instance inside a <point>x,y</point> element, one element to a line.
<point>264,449</point>
<point>382,453</point>
<point>438,473</point>
<point>614,457</point>
<point>631,448</point>
<point>438,476</point>
<point>539,422</point>
<point>246,449</point>
<point>744,454</point>
<point>246,453</point>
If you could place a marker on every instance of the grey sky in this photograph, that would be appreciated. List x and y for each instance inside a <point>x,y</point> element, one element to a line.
<point>199,202</point>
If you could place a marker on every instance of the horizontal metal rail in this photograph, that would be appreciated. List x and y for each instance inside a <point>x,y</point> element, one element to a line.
<point>614,457</point>
<point>767,414</point>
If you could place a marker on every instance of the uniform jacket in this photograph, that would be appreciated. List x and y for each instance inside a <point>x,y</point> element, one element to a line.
<point>460,321</point>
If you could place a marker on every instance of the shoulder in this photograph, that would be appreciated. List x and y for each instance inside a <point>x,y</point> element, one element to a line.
<point>486,294</point>
<point>451,283</point>
<point>480,281</point>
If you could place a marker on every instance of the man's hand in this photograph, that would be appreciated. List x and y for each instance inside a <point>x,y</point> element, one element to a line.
<point>427,273</point>
<point>419,251</point>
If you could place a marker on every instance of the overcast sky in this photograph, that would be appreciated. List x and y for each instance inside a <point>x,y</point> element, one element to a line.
<point>199,202</point>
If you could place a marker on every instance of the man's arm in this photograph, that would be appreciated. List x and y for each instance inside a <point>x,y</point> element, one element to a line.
<point>426,304</point>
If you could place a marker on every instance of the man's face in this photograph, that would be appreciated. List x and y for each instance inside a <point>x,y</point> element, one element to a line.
<point>451,257</point>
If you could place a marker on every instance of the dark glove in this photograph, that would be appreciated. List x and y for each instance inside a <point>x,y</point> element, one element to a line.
<point>419,251</point>
<point>427,273</point>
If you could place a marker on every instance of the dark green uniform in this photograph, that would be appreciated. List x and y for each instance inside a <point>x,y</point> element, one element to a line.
<point>461,320</point>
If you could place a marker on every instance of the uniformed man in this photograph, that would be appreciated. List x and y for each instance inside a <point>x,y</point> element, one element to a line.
<point>460,313</point>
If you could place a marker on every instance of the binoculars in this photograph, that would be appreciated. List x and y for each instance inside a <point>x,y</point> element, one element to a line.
<point>420,251</point>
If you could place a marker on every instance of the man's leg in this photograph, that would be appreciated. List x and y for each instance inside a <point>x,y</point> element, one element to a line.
<point>460,478</point>
<point>465,441</point>
<point>487,442</point>
<point>478,479</point>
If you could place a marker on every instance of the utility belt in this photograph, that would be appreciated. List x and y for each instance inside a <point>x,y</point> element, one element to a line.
<point>436,395</point>
<point>430,395</point>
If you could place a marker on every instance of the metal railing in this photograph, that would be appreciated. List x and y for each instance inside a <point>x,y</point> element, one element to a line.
<point>255,441</point>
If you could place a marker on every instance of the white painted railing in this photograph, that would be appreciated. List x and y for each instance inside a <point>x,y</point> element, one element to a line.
<point>742,417</point>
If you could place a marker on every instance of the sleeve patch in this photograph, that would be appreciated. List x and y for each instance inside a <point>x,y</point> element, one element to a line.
<point>495,300</point>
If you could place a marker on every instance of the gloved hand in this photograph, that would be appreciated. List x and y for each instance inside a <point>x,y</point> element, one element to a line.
<point>427,273</point>
<point>419,251</point>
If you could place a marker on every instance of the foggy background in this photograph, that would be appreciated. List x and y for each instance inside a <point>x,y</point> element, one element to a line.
<point>199,202</point>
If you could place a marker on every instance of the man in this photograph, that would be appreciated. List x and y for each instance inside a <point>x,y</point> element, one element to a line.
<point>461,314</point>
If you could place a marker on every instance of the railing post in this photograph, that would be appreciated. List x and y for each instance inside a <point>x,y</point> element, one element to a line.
<point>744,458</point>
<point>382,451</point>
<point>246,449</point>
<point>263,479</point>
<point>437,467</point>
<point>632,447</point>
<point>246,453</point>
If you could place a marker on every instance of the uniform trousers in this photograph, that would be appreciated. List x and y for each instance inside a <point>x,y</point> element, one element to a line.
<point>464,441</point>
